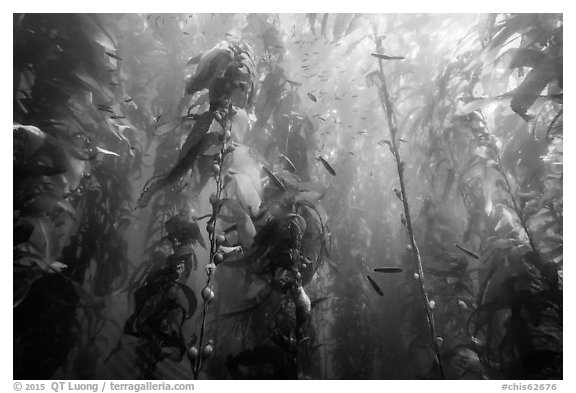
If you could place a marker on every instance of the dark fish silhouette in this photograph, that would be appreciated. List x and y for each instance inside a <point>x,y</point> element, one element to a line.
<point>388,270</point>
<point>470,253</point>
<point>386,57</point>
<point>105,109</point>
<point>112,55</point>
<point>327,166</point>
<point>375,286</point>
<point>312,97</point>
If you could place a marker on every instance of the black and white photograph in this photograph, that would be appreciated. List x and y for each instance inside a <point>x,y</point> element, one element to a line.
<point>286,196</point>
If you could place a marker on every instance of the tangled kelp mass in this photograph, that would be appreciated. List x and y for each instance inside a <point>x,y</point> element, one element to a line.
<point>288,196</point>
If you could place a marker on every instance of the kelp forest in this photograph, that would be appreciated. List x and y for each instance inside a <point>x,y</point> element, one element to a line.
<point>287,196</point>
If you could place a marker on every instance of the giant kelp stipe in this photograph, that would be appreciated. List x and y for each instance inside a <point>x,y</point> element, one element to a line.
<point>288,196</point>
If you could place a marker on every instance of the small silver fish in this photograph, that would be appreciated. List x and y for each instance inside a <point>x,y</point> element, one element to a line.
<point>274,179</point>
<point>293,83</point>
<point>287,163</point>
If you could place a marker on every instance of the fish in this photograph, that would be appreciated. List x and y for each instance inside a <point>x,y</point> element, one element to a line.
<point>287,163</point>
<point>114,84</point>
<point>115,117</point>
<point>112,55</point>
<point>386,57</point>
<point>104,109</point>
<point>375,286</point>
<point>312,97</point>
<point>293,83</point>
<point>402,140</point>
<point>274,179</point>
<point>470,253</point>
<point>327,166</point>
<point>107,152</point>
<point>129,99</point>
<point>388,270</point>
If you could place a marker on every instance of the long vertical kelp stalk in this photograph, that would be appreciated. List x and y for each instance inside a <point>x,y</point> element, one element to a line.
<point>392,143</point>
<point>215,242</point>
